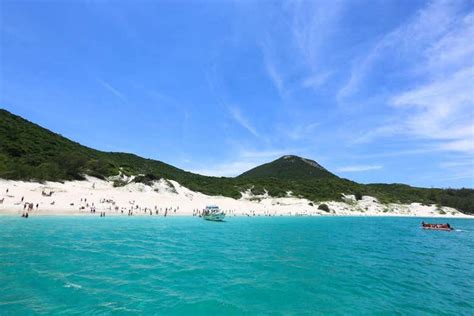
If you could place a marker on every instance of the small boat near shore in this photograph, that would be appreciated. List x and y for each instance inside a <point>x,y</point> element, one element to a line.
<point>213,213</point>
<point>428,226</point>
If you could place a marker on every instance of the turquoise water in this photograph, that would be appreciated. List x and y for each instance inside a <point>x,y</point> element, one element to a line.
<point>187,266</point>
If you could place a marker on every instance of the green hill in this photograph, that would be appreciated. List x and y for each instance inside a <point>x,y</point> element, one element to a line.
<point>289,168</point>
<point>30,152</point>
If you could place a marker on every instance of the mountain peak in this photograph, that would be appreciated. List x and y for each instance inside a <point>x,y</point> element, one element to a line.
<point>289,167</point>
<point>310,162</point>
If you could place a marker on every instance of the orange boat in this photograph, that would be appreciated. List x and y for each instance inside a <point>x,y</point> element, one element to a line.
<point>445,227</point>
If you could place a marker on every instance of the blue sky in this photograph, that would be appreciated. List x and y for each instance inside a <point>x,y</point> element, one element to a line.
<point>376,91</point>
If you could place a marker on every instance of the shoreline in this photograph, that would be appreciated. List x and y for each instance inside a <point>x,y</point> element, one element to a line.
<point>11,214</point>
<point>93,196</point>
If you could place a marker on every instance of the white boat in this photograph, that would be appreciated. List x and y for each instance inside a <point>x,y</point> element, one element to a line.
<point>213,213</point>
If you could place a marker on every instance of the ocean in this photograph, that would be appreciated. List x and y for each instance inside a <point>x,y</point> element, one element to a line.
<point>250,266</point>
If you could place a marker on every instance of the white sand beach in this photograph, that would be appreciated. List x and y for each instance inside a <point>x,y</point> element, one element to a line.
<point>82,197</point>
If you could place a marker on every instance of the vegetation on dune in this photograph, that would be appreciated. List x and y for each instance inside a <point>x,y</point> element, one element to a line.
<point>324,207</point>
<point>461,199</point>
<point>30,152</point>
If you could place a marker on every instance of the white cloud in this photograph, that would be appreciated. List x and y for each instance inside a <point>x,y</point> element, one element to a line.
<point>409,39</point>
<point>112,90</point>
<point>242,120</point>
<point>376,132</point>
<point>316,80</point>
<point>359,168</point>
<point>442,109</point>
<point>234,111</point>
<point>458,177</point>
<point>311,25</point>
<point>437,51</point>
<point>301,131</point>
<point>361,66</point>
<point>466,145</point>
<point>457,168</point>
<point>386,154</point>
<point>455,164</point>
<point>455,48</point>
<point>297,61</point>
<point>271,69</point>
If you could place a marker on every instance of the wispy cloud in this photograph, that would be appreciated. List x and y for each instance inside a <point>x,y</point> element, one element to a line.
<point>316,80</point>
<point>234,111</point>
<point>311,25</point>
<point>359,168</point>
<point>269,62</point>
<point>397,153</point>
<point>297,61</point>
<point>408,40</point>
<point>237,115</point>
<point>112,90</point>
<point>276,77</point>
<point>302,131</point>
<point>437,51</point>
<point>442,110</point>
<point>458,177</point>
<point>376,132</point>
<point>459,168</point>
<point>455,164</point>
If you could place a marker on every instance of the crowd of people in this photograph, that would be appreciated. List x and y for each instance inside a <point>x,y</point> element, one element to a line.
<point>109,205</point>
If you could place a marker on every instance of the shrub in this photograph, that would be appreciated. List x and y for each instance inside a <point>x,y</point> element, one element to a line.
<point>119,183</point>
<point>358,196</point>
<point>324,207</point>
<point>146,179</point>
<point>257,190</point>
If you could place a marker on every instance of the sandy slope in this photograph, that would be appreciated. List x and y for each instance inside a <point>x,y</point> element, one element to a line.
<point>79,197</point>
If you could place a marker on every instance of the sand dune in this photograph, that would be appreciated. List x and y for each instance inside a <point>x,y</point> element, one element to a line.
<point>82,197</point>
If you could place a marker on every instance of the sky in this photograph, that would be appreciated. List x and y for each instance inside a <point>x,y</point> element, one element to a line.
<point>375,91</point>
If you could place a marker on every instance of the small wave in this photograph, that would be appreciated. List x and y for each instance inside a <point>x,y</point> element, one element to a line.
<point>112,306</point>
<point>72,285</point>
